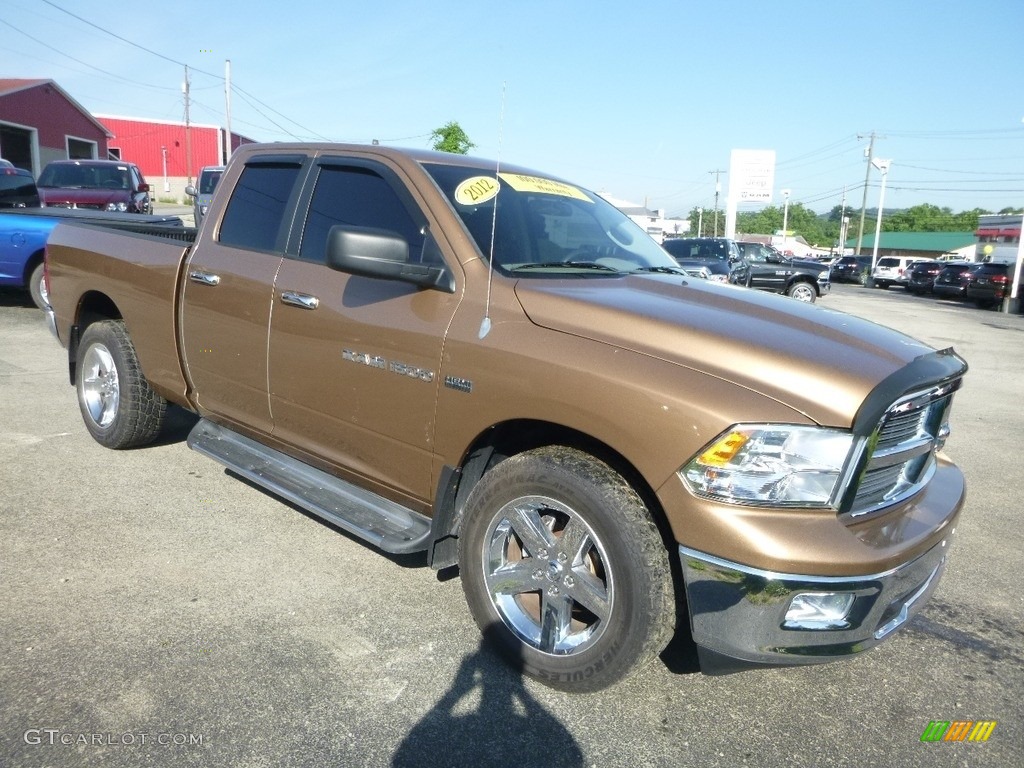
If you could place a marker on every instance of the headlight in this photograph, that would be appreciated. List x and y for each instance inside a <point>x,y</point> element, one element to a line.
<point>770,465</point>
<point>122,206</point>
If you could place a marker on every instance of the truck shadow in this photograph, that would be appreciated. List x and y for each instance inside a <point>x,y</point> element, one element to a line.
<point>177,426</point>
<point>487,717</point>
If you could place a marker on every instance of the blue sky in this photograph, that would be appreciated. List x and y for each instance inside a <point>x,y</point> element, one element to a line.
<point>639,100</point>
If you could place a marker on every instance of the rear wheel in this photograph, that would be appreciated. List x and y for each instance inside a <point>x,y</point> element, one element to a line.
<point>564,569</point>
<point>118,406</point>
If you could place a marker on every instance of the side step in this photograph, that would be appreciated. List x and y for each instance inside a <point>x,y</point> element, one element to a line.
<point>381,522</point>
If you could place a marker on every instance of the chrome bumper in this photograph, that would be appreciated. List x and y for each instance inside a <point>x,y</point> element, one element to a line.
<point>739,613</point>
<point>51,322</point>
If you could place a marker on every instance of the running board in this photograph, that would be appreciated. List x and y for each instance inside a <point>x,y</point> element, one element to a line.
<point>381,522</point>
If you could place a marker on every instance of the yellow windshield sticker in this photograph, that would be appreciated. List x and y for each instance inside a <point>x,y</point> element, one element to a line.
<point>521,183</point>
<point>476,190</point>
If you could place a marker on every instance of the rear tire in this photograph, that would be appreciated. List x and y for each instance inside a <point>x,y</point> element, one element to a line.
<point>564,570</point>
<point>118,406</point>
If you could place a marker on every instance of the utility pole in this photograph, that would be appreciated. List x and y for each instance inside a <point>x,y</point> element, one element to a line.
<point>188,129</point>
<point>227,107</point>
<point>867,178</point>
<point>718,189</point>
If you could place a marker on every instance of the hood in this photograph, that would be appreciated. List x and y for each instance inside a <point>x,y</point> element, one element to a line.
<point>52,195</point>
<point>820,362</point>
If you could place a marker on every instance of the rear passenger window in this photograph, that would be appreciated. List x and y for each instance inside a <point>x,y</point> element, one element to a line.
<point>359,197</point>
<point>254,215</point>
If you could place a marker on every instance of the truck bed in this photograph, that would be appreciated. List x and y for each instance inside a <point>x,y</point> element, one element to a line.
<point>133,266</point>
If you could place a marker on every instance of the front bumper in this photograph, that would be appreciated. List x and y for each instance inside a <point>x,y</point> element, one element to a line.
<point>737,613</point>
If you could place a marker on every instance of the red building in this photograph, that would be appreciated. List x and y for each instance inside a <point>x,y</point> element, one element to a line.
<point>170,157</point>
<point>40,122</point>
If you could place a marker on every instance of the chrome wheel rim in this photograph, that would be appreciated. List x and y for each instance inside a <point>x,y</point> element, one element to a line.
<point>803,292</point>
<point>100,391</point>
<point>548,575</point>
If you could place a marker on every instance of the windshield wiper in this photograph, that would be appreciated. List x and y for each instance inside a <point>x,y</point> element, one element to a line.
<point>663,270</point>
<point>562,264</point>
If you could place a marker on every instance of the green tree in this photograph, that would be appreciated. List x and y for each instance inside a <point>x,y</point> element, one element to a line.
<point>451,138</point>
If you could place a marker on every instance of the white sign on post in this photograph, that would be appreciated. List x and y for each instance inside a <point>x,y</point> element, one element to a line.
<point>751,180</point>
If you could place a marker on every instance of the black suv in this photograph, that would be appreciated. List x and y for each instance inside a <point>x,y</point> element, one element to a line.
<point>769,270</point>
<point>952,279</point>
<point>719,255</point>
<point>989,284</point>
<point>850,269</point>
<point>921,276</point>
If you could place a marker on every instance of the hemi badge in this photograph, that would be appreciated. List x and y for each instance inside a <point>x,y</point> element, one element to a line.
<point>462,385</point>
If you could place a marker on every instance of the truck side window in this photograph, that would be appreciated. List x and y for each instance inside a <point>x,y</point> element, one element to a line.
<point>355,196</point>
<point>254,214</point>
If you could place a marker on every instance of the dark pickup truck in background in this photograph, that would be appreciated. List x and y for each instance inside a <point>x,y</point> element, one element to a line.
<point>502,371</point>
<point>769,270</point>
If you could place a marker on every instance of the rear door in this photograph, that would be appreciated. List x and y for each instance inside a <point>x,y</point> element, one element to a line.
<point>354,361</point>
<point>228,293</point>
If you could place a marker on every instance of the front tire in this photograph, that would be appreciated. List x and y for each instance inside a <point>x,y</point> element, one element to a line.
<point>118,406</point>
<point>802,292</point>
<point>37,288</point>
<point>563,568</point>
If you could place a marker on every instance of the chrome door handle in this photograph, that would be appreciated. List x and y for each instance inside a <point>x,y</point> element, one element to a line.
<point>303,300</point>
<point>205,278</point>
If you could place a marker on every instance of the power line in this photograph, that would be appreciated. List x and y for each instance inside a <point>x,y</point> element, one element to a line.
<point>85,63</point>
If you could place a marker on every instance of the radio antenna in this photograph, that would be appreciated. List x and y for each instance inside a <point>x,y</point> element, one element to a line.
<point>485,325</point>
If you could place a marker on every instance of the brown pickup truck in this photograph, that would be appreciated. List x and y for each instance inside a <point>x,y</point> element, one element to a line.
<point>498,369</point>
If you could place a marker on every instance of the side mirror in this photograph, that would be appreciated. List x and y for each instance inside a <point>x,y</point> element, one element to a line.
<point>773,259</point>
<point>143,187</point>
<point>384,255</point>
<point>191,191</point>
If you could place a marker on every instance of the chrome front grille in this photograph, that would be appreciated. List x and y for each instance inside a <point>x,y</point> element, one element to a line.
<point>901,450</point>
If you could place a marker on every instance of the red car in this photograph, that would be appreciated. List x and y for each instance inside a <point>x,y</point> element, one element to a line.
<point>97,185</point>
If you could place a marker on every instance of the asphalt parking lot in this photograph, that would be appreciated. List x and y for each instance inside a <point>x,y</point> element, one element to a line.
<point>156,611</point>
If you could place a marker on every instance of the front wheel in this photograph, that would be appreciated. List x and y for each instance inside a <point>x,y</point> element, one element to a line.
<point>563,567</point>
<point>37,287</point>
<point>802,292</point>
<point>119,407</point>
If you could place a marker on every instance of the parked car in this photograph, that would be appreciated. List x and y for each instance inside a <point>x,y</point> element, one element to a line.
<point>201,196</point>
<point>720,255</point>
<point>989,284</point>
<point>892,270</point>
<point>952,279</point>
<point>850,269</point>
<point>17,187</point>
<point>769,270</point>
<point>921,276</point>
<point>96,185</point>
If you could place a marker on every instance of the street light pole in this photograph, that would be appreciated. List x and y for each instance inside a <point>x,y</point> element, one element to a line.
<point>785,218</point>
<point>700,222</point>
<point>883,167</point>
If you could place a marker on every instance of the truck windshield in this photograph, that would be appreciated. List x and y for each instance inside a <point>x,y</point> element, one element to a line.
<point>543,227</point>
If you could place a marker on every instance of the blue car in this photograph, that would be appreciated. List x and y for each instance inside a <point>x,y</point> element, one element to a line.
<point>23,234</point>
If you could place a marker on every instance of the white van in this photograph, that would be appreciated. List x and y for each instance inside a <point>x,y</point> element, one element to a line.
<point>893,270</point>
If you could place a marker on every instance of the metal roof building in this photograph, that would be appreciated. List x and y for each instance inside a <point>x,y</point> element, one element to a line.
<point>40,122</point>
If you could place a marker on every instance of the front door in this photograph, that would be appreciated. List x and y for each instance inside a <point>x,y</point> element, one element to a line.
<point>355,361</point>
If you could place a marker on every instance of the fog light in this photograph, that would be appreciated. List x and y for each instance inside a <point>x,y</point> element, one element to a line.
<point>819,610</point>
